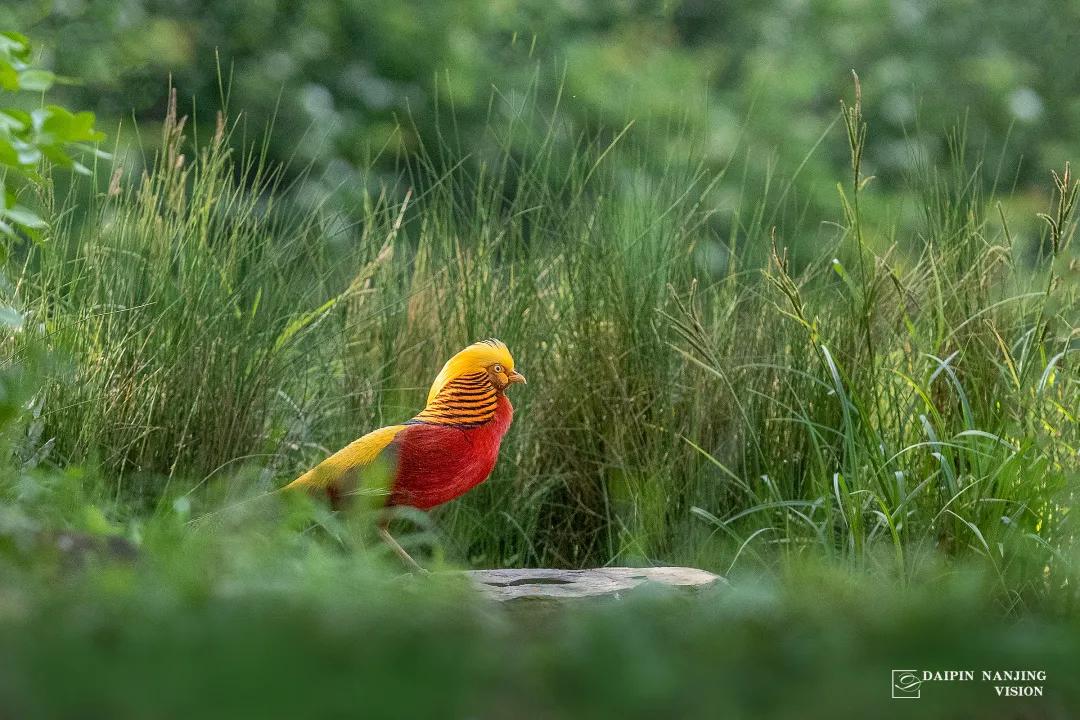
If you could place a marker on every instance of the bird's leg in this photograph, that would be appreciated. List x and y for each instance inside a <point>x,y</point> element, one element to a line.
<point>384,533</point>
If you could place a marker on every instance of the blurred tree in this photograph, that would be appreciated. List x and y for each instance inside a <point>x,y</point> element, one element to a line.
<point>348,79</point>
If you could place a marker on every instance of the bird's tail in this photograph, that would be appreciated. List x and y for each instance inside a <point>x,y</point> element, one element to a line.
<point>325,479</point>
<point>214,513</point>
<point>315,481</point>
<point>304,482</point>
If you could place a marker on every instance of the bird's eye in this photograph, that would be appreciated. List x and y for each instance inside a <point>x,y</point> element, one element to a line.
<point>497,367</point>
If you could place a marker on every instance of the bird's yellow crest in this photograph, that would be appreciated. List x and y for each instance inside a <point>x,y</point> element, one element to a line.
<point>478,357</point>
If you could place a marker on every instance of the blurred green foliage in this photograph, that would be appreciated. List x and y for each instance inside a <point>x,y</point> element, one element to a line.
<point>344,79</point>
<point>262,622</point>
<point>27,138</point>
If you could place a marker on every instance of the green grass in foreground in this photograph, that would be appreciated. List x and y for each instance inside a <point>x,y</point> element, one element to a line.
<point>259,621</point>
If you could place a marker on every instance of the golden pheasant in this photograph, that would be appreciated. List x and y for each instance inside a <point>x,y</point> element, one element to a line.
<point>448,448</point>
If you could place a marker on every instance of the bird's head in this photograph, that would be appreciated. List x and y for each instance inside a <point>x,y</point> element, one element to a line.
<point>487,358</point>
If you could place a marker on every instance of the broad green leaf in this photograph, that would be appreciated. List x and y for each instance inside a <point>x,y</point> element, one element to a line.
<point>14,44</point>
<point>29,155</point>
<point>52,124</point>
<point>14,120</point>
<point>36,80</point>
<point>56,155</point>
<point>9,76</point>
<point>8,154</point>
<point>23,216</point>
<point>82,128</point>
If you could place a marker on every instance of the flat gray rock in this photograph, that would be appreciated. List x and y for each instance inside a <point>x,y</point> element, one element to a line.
<point>564,584</point>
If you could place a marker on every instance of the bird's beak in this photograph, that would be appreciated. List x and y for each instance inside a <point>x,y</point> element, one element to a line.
<point>515,377</point>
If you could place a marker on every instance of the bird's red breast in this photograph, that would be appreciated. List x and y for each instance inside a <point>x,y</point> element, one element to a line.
<point>437,463</point>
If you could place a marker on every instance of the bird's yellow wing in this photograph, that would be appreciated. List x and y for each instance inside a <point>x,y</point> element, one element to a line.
<point>336,469</point>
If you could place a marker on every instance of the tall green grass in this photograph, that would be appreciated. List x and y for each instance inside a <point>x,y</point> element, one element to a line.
<point>711,381</point>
